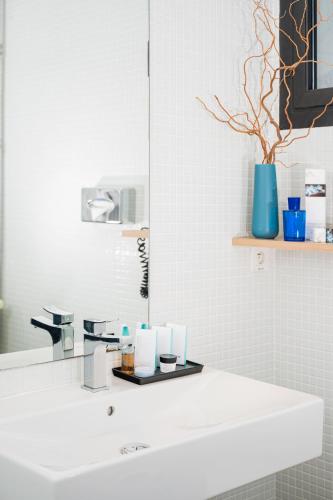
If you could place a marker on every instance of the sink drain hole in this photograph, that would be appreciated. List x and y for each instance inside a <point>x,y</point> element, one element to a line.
<point>133,447</point>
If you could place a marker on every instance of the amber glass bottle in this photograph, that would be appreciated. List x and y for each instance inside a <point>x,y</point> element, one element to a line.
<point>127,359</point>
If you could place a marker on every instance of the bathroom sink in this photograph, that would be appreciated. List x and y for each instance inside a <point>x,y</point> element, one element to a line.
<point>189,438</point>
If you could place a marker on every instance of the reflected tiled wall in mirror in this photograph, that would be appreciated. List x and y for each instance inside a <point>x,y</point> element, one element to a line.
<point>75,77</point>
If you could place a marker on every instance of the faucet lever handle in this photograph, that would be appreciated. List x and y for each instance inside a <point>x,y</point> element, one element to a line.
<point>59,316</point>
<point>96,326</point>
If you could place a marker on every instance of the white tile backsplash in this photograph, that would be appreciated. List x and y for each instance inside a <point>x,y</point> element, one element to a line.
<point>304,319</point>
<point>262,490</point>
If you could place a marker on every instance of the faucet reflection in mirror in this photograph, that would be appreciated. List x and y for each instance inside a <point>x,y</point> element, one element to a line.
<point>61,330</point>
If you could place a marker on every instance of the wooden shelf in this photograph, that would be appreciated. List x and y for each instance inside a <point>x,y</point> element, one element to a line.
<point>279,244</point>
<point>135,233</point>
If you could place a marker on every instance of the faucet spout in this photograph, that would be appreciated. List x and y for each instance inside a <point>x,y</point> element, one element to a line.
<point>62,336</point>
<point>46,324</point>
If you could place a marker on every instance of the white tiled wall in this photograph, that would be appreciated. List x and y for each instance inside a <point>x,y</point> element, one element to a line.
<point>200,195</point>
<point>303,341</point>
<point>75,78</point>
<point>263,490</point>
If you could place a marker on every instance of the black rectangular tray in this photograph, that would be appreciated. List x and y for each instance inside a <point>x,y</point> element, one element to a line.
<point>181,371</point>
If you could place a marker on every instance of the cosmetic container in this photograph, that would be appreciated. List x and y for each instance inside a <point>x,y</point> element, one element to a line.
<point>317,234</point>
<point>167,363</point>
<point>179,342</point>
<point>127,359</point>
<point>145,349</point>
<point>315,199</point>
<point>294,221</point>
<point>163,341</point>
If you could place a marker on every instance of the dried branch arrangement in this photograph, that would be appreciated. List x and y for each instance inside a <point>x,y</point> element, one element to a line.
<point>261,116</point>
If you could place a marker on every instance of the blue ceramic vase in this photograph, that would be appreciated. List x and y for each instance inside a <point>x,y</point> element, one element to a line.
<point>265,217</point>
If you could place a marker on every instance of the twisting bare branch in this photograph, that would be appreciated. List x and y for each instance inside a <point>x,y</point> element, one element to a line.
<point>260,118</point>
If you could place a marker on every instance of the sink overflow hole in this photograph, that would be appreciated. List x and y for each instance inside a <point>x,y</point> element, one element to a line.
<point>133,447</point>
<point>111,410</point>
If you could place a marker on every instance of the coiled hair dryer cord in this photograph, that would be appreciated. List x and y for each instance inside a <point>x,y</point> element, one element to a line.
<point>144,260</point>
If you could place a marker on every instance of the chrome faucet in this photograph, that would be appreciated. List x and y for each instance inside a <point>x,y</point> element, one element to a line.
<point>96,340</point>
<point>60,329</point>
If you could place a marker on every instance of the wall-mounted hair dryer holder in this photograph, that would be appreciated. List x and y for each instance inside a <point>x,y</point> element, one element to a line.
<point>111,205</point>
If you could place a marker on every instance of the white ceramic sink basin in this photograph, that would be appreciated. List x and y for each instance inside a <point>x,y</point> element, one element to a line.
<point>206,433</point>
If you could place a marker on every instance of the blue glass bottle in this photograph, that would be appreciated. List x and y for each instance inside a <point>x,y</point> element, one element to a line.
<point>294,221</point>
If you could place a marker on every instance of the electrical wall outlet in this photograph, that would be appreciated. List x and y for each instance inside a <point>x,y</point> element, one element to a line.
<point>262,259</point>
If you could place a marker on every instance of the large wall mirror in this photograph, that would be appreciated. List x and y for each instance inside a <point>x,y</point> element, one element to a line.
<point>74,171</point>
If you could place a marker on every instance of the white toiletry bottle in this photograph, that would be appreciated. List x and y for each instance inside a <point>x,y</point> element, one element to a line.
<point>179,342</point>
<point>145,349</point>
<point>315,200</point>
<point>163,341</point>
